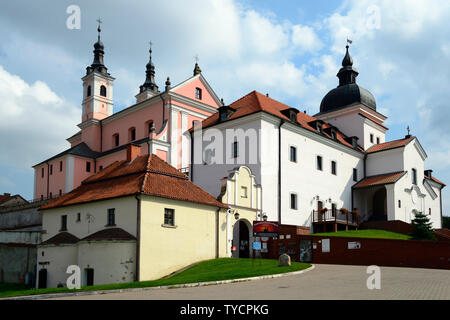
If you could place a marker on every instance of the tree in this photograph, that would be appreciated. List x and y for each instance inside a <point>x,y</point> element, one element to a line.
<point>422,229</point>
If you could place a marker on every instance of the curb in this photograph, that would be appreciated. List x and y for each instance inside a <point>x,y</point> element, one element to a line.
<point>185,285</point>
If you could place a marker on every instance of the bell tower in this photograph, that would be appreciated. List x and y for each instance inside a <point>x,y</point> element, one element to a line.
<point>97,86</point>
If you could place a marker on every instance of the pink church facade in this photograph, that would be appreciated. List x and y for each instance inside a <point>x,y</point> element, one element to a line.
<point>158,122</point>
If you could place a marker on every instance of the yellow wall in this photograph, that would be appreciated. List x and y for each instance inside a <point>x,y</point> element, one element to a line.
<point>164,250</point>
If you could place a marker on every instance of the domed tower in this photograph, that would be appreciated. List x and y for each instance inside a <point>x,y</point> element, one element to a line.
<point>97,86</point>
<point>352,108</point>
<point>149,88</point>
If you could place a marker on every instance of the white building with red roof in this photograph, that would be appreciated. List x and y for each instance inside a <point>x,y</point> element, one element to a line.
<point>311,167</point>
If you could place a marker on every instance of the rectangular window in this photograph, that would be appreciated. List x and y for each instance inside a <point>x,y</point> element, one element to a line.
<point>42,172</point>
<point>235,149</point>
<point>116,140</point>
<point>64,223</point>
<point>100,168</point>
<point>293,201</point>
<point>429,211</point>
<point>198,93</point>
<point>355,174</point>
<point>60,166</point>
<point>399,203</point>
<point>319,163</point>
<point>244,192</point>
<point>333,167</point>
<point>378,140</point>
<point>371,138</point>
<point>60,192</point>
<point>133,134</point>
<point>111,217</point>
<point>169,217</point>
<point>414,176</point>
<point>78,217</point>
<point>51,169</point>
<point>88,166</point>
<point>293,154</point>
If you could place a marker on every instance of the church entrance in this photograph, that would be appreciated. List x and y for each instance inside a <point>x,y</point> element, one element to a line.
<point>241,239</point>
<point>379,205</point>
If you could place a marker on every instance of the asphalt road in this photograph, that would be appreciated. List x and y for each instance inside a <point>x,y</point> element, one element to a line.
<point>324,282</point>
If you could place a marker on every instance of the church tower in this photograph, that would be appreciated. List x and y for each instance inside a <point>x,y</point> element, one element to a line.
<point>149,88</point>
<point>97,86</point>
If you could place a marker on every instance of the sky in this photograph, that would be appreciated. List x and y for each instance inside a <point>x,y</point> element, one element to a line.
<point>290,49</point>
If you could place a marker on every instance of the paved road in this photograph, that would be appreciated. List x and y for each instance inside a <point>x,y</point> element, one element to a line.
<point>324,282</point>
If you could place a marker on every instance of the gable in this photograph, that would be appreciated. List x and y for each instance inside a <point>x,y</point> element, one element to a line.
<point>188,89</point>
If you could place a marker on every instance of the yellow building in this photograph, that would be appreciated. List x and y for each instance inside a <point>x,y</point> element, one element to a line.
<point>138,219</point>
<point>243,195</point>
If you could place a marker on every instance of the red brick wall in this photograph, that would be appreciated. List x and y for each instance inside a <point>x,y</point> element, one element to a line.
<point>381,252</point>
<point>393,226</point>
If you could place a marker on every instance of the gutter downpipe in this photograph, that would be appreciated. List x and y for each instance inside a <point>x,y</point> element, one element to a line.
<point>138,236</point>
<point>217,232</point>
<point>279,171</point>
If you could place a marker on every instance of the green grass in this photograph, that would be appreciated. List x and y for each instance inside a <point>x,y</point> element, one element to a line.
<point>369,233</point>
<point>211,270</point>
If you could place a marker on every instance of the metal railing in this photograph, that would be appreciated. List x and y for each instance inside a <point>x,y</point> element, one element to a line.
<point>335,216</point>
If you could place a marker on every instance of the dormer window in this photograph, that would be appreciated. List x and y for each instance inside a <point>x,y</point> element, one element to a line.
<point>103,91</point>
<point>333,134</point>
<point>319,127</point>
<point>198,93</point>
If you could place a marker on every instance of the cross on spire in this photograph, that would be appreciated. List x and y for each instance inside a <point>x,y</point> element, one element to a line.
<point>99,29</point>
<point>150,43</point>
<point>409,130</point>
<point>196,58</point>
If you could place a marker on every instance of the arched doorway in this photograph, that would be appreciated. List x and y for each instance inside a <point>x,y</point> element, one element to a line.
<point>242,239</point>
<point>379,205</point>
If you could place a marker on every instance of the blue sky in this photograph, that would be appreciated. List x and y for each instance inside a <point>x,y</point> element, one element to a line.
<point>289,49</point>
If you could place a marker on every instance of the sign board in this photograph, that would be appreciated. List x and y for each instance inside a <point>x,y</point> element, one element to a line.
<point>354,245</point>
<point>325,245</point>
<point>256,245</point>
<point>265,229</point>
<point>264,248</point>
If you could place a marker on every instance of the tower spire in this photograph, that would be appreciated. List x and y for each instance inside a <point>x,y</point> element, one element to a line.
<point>197,69</point>
<point>149,83</point>
<point>347,74</point>
<point>97,64</point>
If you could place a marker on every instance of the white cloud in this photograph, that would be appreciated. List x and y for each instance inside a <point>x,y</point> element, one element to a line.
<point>305,38</point>
<point>34,122</point>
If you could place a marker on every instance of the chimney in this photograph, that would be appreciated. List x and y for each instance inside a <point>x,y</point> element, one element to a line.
<point>133,151</point>
<point>428,173</point>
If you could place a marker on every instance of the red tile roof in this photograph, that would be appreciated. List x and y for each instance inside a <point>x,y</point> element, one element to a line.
<point>390,145</point>
<point>147,174</point>
<point>61,238</point>
<point>109,234</point>
<point>4,197</point>
<point>381,179</point>
<point>372,118</point>
<point>435,180</point>
<point>256,102</point>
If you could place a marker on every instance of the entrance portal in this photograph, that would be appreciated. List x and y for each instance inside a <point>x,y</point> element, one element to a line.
<point>379,205</point>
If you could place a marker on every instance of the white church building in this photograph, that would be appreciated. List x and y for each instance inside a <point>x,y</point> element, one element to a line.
<point>311,167</point>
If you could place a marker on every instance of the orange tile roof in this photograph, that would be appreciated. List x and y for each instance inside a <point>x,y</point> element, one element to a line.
<point>435,180</point>
<point>381,179</point>
<point>4,197</point>
<point>256,102</point>
<point>147,174</point>
<point>390,145</point>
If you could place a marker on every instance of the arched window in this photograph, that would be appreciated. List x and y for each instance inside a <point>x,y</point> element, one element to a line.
<point>149,125</point>
<point>103,91</point>
<point>88,91</point>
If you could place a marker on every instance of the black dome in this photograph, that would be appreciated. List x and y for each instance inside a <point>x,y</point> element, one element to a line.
<point>348,92</point>
<point>346,95</point>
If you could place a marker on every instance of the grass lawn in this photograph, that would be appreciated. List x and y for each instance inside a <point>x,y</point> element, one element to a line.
<point>211,270</point>
<point>369,233</point>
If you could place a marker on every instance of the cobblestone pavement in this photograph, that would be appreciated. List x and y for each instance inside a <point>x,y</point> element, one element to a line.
<point>324,282</point>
